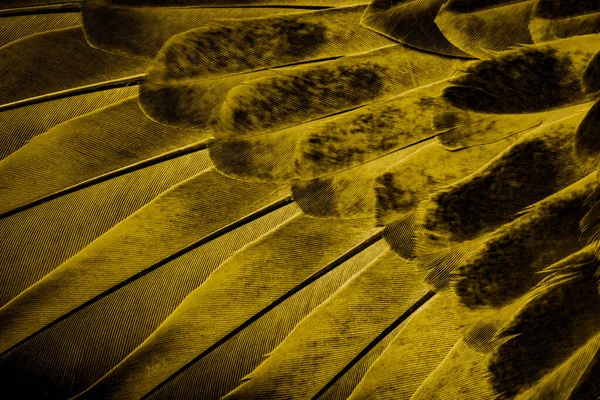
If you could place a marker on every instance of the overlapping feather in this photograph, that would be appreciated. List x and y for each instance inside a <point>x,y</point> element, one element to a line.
<point>352,144</point>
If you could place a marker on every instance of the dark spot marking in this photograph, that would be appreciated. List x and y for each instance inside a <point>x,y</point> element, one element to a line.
<point>244,46</point>
<point>390,197</point>
<point>551,9</point>
<point>507,266</point>
<point>549,330</point>
<point>232,155</point>
<point>525,81</point>
<point>283,101</point>
<point>466,6</point>
<point>587,138</point>
<point>484,202</point>
<point>591,75</point>
<point>315,197</point>
<point>445,120</point>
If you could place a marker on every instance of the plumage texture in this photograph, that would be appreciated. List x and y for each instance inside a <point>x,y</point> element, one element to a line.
<point>72,285</point>
<point>299,199</point>
<point>234,294</point>
<point>507,264</point>
<point>139,30</point>
<point>20,125</point>
<point>529,79</point>
<point>36,241</point>
<point>430,167</point>
<point>505,185</point>
<point>107,330</point>
<point>338,329</point>
<point>480,28</point>
<point>416,351</point>
<point>60,60</point>
<point>410,22</point>
<point>586,148</point>
<point>246,350</point>
<point>191,75</point>
<point>21,26</point>
<point>87,148</point>
<point>569,305</point>
<point>552,19</point>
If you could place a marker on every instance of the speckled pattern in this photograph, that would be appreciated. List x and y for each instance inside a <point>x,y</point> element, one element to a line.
<point>303,199</point>
<point>266,104</point>
<point>591,75</point>
<point>401,188</point>
<point>565,8</point>
<point>507,264</point>
<point>276,42</point>
<point>263,42</point>
<point>526,80</point>
<point>555,322</point>
<point>368,133</point>
<point>466,6</point>
<point>587,146</point>
<point>494,194</point>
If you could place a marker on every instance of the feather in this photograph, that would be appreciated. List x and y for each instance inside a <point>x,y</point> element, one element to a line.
<point>528,79</point>
<point>568,381</point>
<point>346,135</point>
<point>193,72</point>
<point>415,352</point>
<point>410,22</point>
<point>346,381</point>
<point>508,264</point>
<point>403,186</point>
<point>94,147</point>
<point>139,29</point>
<point>37,240</point>
<point>586,148</point>
<point>17,4</point>
<point>349,193</point>
<point>323,344</point>
<point>339,164</point>
<point>591,75</point>
<point>240,291</point>
<point>461,366</point>
<point>313,91</point>
<point>59,61</point>
<point>462,129</point>
<point>263,158</point>
<point>136,299</point>
<point>567,303</point>
<point>589,223</point>
<point>69,356</point>
<point>401,237</point>
<point>369,133</point>
<point>442,262</point>
<point>552,19</point>
<point>14,27</point>
<point>258,142</point>
<point>217,373</point>
<point>493,195</point>
<point>442,248</point>
<point>481,28</point>
<point>184,216</point>
<point>462,374</point>
<point>191,104</point>
<point>463,371</point>
<point>22,124</point>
